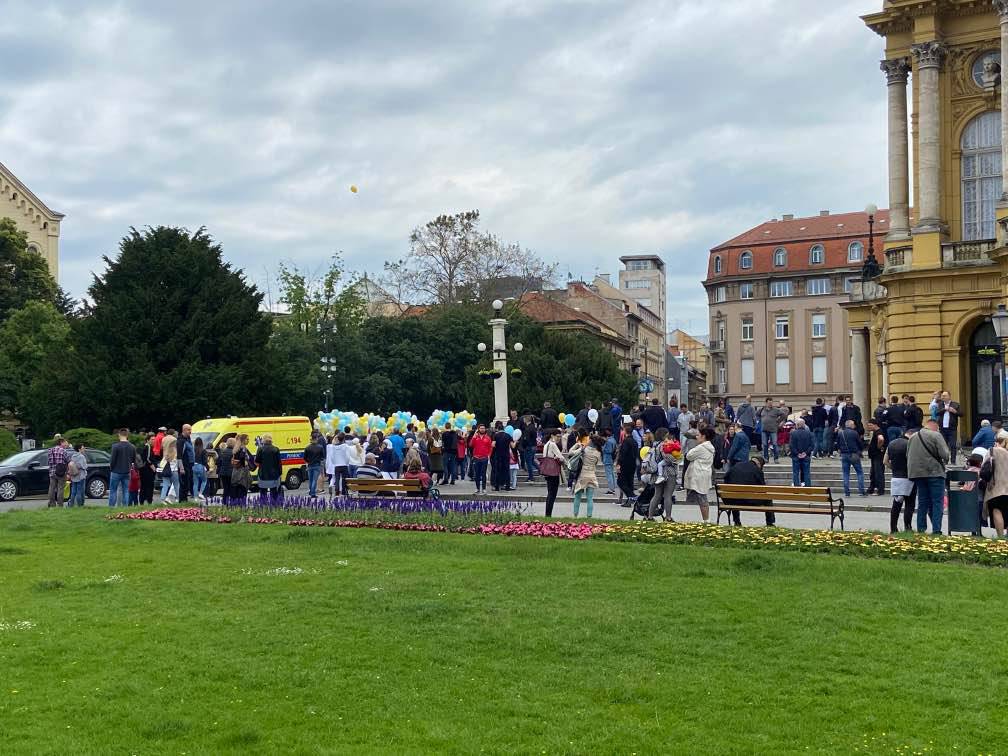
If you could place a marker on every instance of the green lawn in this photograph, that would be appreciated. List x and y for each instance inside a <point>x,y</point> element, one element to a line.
<point>419,642</point>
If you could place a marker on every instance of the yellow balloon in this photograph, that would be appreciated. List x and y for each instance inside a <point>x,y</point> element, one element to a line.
<point>353,188</point>
<point>563,417</point>
<point>645,450</point>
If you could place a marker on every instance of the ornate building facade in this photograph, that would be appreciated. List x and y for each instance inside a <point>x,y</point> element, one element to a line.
<point>31,216</point>
<point>924,323</point>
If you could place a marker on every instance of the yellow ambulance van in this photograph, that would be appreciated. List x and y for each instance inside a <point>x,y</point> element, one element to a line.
<point>290,435</point>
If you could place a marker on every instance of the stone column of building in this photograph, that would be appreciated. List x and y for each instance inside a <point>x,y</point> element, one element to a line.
<point>929,57</point>
<point>859,369</point>
<point>899,162</point>
<point>1001,6</point>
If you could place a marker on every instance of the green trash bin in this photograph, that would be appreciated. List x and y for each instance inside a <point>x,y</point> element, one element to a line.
<point>963,506</point>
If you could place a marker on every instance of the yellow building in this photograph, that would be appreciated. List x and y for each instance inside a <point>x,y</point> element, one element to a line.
<point>31,216</point>
<point>924,324</point>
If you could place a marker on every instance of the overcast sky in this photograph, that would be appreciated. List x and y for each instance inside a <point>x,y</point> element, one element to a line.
<point>582,130</point>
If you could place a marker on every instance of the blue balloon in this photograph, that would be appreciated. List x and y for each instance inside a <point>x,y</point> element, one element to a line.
<point>509,430</point>
<point>569,420</point>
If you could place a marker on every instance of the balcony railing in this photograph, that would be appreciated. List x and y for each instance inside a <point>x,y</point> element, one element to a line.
<point>898,259</point>
<point>966,253</point>
<point>718,388</point>
<point>716,346</point>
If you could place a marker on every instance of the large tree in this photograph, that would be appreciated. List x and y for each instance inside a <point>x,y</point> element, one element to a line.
<point>173,334</point>
<point>34,345</point>
<point>452,261</point>
<point>24,275</point>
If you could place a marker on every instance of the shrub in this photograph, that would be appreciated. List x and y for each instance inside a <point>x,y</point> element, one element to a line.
<point>90,437</point>
<point>8,444</point>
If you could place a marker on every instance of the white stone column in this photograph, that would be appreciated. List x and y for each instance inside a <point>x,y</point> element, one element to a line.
<point>499,347</point>
<point>1001,6</point>
<point>859,369</point>
<point>899,161</point>
<point>929,57</point>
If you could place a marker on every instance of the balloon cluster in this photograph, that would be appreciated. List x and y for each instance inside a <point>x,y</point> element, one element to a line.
<point>336,421</point>
<point>567,419</point>
<point>673,448</point>
<point>459,421</point>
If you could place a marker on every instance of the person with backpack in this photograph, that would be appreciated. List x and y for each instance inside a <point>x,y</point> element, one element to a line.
<point>698,478</point>
<point>586,481</point>
<point>77,472</point>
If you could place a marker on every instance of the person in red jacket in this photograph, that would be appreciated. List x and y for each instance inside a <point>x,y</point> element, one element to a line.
<point>481,445</point>
<point>156,446</point>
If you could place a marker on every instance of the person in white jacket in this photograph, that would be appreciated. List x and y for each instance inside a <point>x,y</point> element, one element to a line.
<point>356,456</point>
<point>700,471</point>
<point>337,464</point>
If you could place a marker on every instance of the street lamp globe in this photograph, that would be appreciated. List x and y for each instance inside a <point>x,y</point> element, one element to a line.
<point>518,346</point>
<point>1000,321</point>
<point>871,209</point>
<point>481,347</point>
<point>497,305</point>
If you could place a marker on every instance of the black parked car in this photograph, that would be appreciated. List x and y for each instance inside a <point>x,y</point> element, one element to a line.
<point>27,473</point>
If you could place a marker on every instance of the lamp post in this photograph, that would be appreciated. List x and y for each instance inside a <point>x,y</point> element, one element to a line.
<point>871,268</point>
<point>497,326</point>
<point>1000,322</point>
<point>328,368</point>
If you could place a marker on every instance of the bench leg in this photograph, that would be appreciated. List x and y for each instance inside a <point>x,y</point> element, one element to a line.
<point>718,520</point>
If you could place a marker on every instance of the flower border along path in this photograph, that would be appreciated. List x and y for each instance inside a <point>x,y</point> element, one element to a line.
<point>927,548</point>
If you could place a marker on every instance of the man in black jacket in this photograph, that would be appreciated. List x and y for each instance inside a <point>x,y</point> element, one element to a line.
<point>876,453</point>
<point>656,420</point>
<point>850,444</point>
<point>549,418</point>
<point>852,412</point>
<point>314,456</point>
<point>818,427</point>
<point>449,454</point>
<point>913,414</point>
<point>895,421</point>
<point>626,465</point>
<point>948,421</point>
<point>749,474</point>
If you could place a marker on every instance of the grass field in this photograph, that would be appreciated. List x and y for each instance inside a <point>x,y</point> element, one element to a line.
<point>147,637</point>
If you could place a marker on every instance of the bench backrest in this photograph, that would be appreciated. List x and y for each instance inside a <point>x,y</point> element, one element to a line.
<point>384,484</point>
<point>729,492</point>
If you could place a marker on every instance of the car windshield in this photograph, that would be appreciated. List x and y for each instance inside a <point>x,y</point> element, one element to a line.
<point>21,458</point>
<point>208,438</point>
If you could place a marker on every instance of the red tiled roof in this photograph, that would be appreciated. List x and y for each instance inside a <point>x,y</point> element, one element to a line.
<point>834,232</point>
<point>540,307</point>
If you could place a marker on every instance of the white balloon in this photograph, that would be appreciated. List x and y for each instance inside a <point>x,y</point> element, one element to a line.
<point>593,415</point>
<point>516,436</point>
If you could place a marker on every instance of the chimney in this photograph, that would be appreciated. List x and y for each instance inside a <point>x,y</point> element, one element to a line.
<point>787,216</point>
<point>823,213</point>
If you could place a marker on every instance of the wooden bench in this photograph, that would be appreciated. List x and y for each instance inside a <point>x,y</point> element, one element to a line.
<point>377,486</point>
<point>783,499</point>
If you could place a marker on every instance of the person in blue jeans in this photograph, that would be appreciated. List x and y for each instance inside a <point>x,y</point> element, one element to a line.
<point>803,446</point>
<point>927,457</point>
<point>121,462</point>
<point>850,445</point>
<point>609,461</point>
<point>78,481</point>
<point>314,456</point>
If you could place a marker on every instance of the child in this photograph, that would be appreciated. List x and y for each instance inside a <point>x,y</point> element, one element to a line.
<point>134,486</point>
<point>513,467</point>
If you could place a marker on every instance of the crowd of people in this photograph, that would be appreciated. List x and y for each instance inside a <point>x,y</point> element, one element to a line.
<point>665,449</point>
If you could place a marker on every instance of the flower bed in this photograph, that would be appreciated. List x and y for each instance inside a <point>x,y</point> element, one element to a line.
<point>857,542</point>
<point>963,549</point>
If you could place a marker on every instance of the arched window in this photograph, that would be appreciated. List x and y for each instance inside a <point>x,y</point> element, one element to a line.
<point>816,254</point>
<point>780,257</point>
<point>745,260</point>
<point>855,252</point>
<point>33,249</point>
<point>717,264</point>
<point>981,174</point>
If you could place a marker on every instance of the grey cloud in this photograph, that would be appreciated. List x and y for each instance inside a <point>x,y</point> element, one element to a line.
<point>583,130</point>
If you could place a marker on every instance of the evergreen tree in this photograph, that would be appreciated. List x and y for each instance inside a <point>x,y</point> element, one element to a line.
<point>174,333</point>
